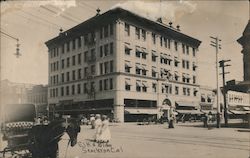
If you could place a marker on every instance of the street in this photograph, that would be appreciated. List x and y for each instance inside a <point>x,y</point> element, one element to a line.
<point>133,141</point>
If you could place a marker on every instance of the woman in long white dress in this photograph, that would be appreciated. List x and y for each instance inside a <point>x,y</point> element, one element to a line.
<point>105,132</point>
<point>98,127</point>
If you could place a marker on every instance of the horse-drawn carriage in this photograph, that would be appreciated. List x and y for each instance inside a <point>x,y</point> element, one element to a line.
<point>27,138</point>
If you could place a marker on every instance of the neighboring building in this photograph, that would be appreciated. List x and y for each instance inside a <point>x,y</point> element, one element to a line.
<point>38,96</point>
<point>14,93</point>
<point>122,64</point>
<point>207,100</point>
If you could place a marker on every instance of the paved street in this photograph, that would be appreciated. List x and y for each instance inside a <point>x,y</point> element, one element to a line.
<point>133,141</point>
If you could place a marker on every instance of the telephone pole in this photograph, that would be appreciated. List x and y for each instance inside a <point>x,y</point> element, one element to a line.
<point>215,43</point>
<point>223,65</point>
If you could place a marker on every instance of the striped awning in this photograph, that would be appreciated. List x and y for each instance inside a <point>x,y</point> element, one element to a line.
<point>185,104</point>
<point>189,111</point>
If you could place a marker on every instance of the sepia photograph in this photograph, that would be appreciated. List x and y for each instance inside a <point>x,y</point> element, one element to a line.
<point>124,79</point>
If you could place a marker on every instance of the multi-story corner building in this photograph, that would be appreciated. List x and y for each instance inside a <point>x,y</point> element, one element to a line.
<point>38,96</point>
<point>122,64</point>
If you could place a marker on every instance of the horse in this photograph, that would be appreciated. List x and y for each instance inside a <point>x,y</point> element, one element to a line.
<point>43,139</point>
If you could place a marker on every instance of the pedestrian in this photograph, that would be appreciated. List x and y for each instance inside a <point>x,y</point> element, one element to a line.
<point>98,127</point>
<point>171,121</point>
<point>209,120</point>
<point>105,132</point>
<point>92,121</point>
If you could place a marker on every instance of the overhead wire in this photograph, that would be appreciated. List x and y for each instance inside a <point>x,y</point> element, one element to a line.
<point>63,16</point>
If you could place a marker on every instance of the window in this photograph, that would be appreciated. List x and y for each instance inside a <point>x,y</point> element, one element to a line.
<point>86,40</point>
<point>143,32</point>
<point>165,42</point>
<point>79,59</point>
<point>86,72</point>
<point>111,29</point>
<point>73,89</point>
<point>79,42</point>
<point>101,68</point>
<point>67,90</point>
<point>144,71</point>
<point>73,75</point>
<point>110,83</point>
<point>106,84</point>
<point>138,52</point>
<point>67,76</point>
<point>79,74</point>
<point>127,29</point>
<point>63,49</point>
<point>100,85</point>
<point>92,57</point>
<point>154,73</point>
<point>154,56</point>
<point>154,38</point>
<point>187,64</point>
<point>127,50</point>
<point>176,45</point>
<point>62,77</point>
<point>144,87</point>
<point>176,90</point>
<point>169,43</point>
<point>154,87</point>
<point>111,49</point>
<point>183,63</point>
<point>73,60</point>
<point>194,52</point>
<point>92,87</point>
<point>176,62</point>
<point>78,88</point>
<point>127,67</point>
<point>92,69</point>
<point>111,66</point>
<point>62,91</point>
<point>85,88</point>
<point>68,62</point>
<point>86,56</point>
<point>127,85</point>
<point>74,44</point>
<point>68,46</point>
<point>144,53</point>
<point>101,33</point>
<point>194,79</point>
<point>183,48</point>
<point>106,31</point>
<point>106,64</point>
<point>137,33</point>
<point>187,48</point>
<point>161,41</point>
<point>195,92</point>
<point>188,91</point>
<point>184,91</point>
<point>138,70</point>
<point>106,49</point>
<point>101,51</point>
<point>138,86</point>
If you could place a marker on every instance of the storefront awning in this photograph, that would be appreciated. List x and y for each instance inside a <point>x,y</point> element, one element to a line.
<point>185,104</point>
<point>238,112</point>
<point>140,111</point>
<point>189,111</point>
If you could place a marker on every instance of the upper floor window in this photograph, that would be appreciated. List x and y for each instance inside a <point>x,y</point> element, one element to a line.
<point>68,62</point>
<point>127,49</point>
<point>127,29</point>
<point>154,38</point>
<point>137,33</point>
<point>143,32</point>
<point>187,49</point>
<point>79,59</point>
<point>111,48</point>
<point>73,60</point>
<point>127,66</point>
<point>194,52</point>
<point>106,31</point>
<point>154,56</point>
<point>127,84</point>
<point>79,42</point>
<point>111,29</point>
<point>176,45</point>
<point>74,44</point>
<point>68,46</point>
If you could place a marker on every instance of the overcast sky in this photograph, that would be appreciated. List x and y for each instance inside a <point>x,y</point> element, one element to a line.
<point>35,22</point>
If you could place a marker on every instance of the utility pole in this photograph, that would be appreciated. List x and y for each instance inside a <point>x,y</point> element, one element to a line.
<point>215,43</point>
<point>222,65</point>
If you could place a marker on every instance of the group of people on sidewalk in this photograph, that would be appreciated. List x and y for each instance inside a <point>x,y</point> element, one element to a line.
<point>101,126</point>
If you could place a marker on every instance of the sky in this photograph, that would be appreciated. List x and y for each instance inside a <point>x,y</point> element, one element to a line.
<point>35,22</point>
